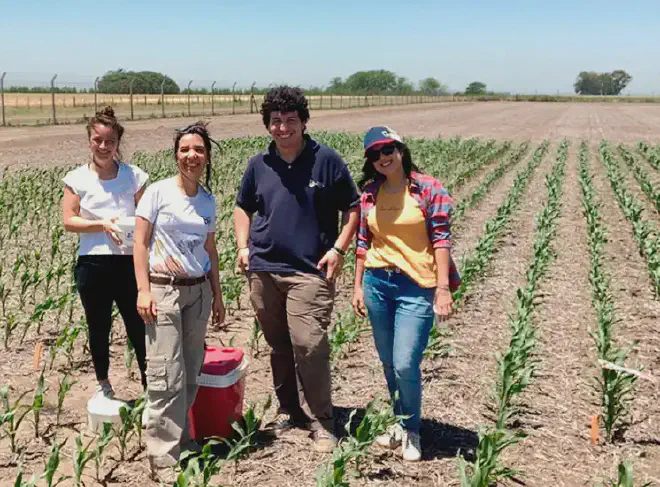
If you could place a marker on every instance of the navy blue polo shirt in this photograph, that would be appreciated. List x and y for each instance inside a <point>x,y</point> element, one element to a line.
<point>295,207</point>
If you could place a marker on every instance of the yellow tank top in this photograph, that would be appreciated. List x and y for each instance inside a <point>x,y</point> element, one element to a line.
<point>400,237</point>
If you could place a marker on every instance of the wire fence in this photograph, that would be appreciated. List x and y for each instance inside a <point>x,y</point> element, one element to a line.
<point>59,106</point>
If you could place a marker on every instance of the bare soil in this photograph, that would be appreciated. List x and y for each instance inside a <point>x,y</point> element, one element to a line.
<point>626,123</point>
<point>457,388</point>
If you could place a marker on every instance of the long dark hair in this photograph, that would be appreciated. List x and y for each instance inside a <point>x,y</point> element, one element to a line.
<point>200,129</point>
<point>369,172</point>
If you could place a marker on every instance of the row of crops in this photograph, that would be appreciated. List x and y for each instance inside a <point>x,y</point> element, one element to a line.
<point>40,310</point>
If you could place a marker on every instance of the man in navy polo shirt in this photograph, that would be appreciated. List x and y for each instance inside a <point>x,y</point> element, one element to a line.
<point>287,230</point>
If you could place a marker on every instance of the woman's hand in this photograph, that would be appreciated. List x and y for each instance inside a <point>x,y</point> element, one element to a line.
<point>358,302</point>
<point>218,311</point>
<point>146,307</point>
<point>443,303</point>
<point>113,231</point>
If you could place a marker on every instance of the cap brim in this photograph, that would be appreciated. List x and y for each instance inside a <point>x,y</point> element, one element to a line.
<point>381,141</point>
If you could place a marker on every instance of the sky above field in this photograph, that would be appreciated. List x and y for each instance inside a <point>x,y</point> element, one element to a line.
<point>511,45</point>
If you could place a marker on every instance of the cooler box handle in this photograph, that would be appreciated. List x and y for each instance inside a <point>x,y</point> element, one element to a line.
<point>223,381</point>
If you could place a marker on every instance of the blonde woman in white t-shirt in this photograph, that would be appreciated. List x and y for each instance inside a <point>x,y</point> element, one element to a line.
<point>176,265</point>
<point>97,196</point>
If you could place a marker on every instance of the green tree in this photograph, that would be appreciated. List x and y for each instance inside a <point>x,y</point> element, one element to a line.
<point>432,86</point>
<point>476,88</point>
<point>147,82</point>
<point>593,83</point>
<point>336,84</point>
<point>375,81</point>
<point>403,85</point>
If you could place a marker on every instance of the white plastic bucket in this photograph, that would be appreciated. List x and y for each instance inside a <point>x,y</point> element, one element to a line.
<point>127,226</point>
<point>102,410</point>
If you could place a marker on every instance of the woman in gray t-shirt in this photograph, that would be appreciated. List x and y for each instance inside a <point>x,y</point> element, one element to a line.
<point>176,265</point>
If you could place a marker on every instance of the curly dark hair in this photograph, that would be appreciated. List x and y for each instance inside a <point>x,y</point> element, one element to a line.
<point>284,99</point>
<point>106,116</point>
<point>199,128</point>
<point>369,172</point>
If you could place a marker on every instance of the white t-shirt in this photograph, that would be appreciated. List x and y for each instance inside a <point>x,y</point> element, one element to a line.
<point>180,227</point>
<point>103,199</point>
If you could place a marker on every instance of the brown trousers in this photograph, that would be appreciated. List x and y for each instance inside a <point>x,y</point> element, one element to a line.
<point>294,313</point>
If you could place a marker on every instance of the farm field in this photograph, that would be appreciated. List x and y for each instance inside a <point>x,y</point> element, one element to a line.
<point>556,230</point>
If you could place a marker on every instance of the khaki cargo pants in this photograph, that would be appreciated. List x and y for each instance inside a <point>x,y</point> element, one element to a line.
<point>175,354</point>
<point>294,313</point>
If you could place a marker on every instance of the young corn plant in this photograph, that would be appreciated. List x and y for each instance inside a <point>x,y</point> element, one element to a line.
<point>52,464</point>
<point>102,441</point>
<point>255,336</point>
<point>246,433</point>
<point>19,482</point>
<point>65,384</point>
<point>616,387</point>
<point>199,468</point>
<point>347,330</point>
<point>81,457</point>
<point>354,447</point>
<point>625,476</point>
<point>641,176</point>
<point>13,415</point>
<point>130,425</point>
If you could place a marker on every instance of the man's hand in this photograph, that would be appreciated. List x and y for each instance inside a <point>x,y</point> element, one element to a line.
<point>333,263</point>
<point>243,260</point>
<point>218,311</point>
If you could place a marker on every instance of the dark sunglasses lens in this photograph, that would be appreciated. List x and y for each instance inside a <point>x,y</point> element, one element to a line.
<point>388,150</point>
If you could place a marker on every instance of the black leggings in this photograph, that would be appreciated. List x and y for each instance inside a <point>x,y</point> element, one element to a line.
<point>102,279</point>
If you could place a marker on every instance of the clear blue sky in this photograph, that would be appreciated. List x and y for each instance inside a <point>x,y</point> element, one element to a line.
<point>511,45</point>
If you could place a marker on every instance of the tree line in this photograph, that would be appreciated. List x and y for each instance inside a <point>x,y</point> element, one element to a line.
<point>372,82</point>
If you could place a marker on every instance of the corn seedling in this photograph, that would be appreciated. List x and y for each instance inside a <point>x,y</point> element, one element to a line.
<point>131,424</point>
<point>255,335</point>
<point>347,330</point>
<point>81,457</point>
<point>12,416</point>
<point>19,482</point>
<point>625,476</point>
<point>52,464</point>
<point>102,442</point>
<point>65,385</point>
<point>376,421</point>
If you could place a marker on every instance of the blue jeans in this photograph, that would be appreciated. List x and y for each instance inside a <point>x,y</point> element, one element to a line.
<point>401,315</point>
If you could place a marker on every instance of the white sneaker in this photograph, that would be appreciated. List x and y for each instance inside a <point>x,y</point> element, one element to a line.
<point>412,447</point>
<point>392,438</point>
<point>105,390</point>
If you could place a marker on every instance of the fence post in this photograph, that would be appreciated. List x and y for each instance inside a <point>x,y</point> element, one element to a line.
<point>189,83</point>
<point>2,97</point>
<point>233,99</point>
<point>52,98</point>
<point>212,92</point>
<point>96,91</point>
<point>252,100</point>
<point>162,98</point>
<point>130,91</point>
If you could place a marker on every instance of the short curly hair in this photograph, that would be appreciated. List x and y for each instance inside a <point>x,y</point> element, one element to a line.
<point>284,99</point>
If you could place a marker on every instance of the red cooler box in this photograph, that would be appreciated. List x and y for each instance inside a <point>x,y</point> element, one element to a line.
<point>219,399</point>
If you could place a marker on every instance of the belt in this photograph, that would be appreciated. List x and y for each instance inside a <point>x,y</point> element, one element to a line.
<point>391,269</point>
<point>178,281</point>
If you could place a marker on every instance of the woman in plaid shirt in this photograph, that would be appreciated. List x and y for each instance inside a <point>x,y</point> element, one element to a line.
<point>404,274</point>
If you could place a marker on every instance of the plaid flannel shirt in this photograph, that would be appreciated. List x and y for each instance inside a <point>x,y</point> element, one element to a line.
<point>436,206</point>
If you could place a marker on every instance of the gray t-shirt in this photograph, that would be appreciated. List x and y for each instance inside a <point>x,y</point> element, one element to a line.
<point>180,228</point>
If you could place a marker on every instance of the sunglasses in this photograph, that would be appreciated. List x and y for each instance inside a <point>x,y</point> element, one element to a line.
<point>374,154</point>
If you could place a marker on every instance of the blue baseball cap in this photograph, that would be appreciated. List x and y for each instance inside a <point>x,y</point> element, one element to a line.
<point>380,135</point>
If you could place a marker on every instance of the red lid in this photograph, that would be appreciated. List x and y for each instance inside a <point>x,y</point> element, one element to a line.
<point>221,361</point>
